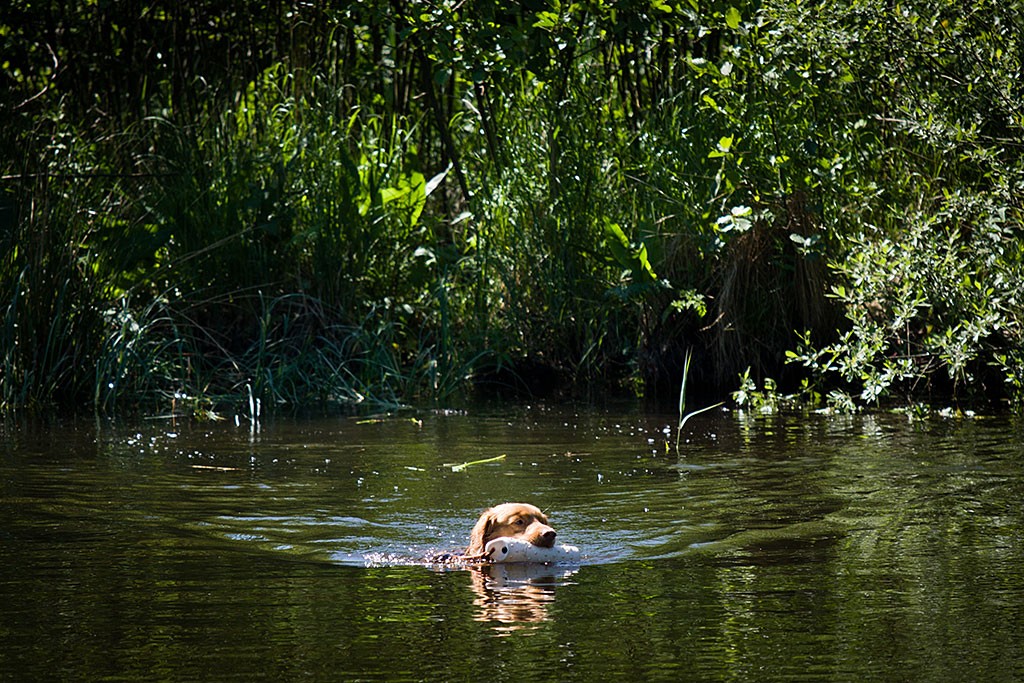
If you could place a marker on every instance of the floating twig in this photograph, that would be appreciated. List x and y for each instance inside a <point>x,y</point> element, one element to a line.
<point>458,467</point>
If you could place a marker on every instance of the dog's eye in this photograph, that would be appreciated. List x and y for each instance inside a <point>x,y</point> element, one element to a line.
<point>519,522</point>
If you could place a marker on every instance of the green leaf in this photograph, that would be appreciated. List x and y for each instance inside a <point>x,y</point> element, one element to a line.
<point>733,18</point>
<point>645,263</point>
<point>408,195</point>
<point>625,254</point>
<point>546,20</point>
<point>724,147</point>
<point>615,231</point>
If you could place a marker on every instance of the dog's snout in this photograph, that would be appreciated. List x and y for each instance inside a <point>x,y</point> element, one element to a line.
<point>547,539</point>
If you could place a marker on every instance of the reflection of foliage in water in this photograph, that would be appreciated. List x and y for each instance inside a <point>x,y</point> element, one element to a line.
<point>776,546</point>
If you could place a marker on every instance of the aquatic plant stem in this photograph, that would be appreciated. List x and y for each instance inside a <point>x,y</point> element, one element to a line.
<point>682,400</point>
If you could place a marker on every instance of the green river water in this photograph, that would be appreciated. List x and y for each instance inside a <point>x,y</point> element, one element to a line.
<point>801,547</point>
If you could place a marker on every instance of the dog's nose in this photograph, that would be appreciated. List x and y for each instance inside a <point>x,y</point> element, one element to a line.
<point>548,538</point>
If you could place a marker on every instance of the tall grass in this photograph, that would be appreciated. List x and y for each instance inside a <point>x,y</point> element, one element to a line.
<point>293,246</point>
<point>389,206</point>
<point>50,318</point>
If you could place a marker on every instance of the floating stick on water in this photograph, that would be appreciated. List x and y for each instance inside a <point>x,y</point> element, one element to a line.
<point>458,467</point>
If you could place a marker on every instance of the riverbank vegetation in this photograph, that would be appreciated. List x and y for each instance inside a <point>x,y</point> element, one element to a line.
<point>403,202</point>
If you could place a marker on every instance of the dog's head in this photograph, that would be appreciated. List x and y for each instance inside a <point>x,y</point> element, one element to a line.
<point>518,520</point>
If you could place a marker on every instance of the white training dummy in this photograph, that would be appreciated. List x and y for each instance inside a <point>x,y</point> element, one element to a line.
<point>506,549</point>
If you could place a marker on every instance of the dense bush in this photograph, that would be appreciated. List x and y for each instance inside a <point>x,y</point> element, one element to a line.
<point>392,202</point>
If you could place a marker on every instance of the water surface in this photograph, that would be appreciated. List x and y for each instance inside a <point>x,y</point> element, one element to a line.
<point>770,548</point>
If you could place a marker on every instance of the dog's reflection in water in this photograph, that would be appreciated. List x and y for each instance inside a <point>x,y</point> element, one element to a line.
<point>516,595</point>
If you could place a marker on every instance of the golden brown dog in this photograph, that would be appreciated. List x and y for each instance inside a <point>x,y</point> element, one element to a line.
<point>520,520</point>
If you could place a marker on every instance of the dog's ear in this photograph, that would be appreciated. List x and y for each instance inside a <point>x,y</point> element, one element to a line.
<point>478,536</point>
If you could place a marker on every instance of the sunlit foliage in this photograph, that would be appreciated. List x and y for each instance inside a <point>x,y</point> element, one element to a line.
<point>393,202</point>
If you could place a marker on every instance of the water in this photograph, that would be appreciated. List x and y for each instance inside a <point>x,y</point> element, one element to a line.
<point>805,547</point>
